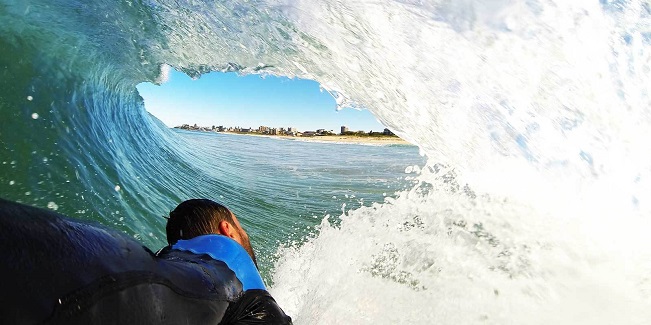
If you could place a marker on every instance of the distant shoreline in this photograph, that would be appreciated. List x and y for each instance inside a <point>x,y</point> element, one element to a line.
<point>336,138</point>
<point>371,140</point>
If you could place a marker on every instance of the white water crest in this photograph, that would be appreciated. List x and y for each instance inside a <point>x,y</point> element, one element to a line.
<point>445,255</point>
<point>546,94</point>
<point>541,108</point>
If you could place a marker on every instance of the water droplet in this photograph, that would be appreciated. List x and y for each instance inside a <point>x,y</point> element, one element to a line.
<point>28,193</point>
<point>117,188</point>
<point>30,98</point>
<point>12,182</point>
<point>44,159</point>
<point>52,205</point>
<point>35,116</point>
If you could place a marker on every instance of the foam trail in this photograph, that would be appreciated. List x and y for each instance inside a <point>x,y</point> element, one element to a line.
<point>447,255</point>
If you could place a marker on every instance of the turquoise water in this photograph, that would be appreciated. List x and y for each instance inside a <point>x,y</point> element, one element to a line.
<point>282,189</point>
<point>533,116</point>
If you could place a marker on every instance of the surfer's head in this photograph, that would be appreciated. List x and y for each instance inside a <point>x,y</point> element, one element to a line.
<point>198,217</point>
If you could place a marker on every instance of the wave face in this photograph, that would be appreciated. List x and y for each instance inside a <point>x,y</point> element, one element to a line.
<point>533,206</point>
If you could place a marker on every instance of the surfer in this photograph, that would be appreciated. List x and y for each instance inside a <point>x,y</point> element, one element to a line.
<point>60,271</point>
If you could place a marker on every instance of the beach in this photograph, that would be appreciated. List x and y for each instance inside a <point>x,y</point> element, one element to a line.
<point>335,138</point>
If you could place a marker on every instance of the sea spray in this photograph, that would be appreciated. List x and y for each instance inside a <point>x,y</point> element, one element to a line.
<point>442,253</point>
<point>542,108</point>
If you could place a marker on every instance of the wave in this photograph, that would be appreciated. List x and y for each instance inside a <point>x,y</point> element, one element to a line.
<point>533,114</point>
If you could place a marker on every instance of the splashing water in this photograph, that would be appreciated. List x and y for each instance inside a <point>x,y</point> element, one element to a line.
<point>543,108</point>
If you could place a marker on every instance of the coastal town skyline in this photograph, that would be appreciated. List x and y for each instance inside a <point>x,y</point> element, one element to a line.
<point>289,131</point>
<point>249,101</point>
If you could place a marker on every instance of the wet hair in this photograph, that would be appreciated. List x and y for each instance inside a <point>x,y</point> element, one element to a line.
<point>194,218</point>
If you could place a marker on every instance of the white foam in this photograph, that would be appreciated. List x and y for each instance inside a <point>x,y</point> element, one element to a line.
<point>164,74</point>
<point>543,108</point>
<point>440,256</point>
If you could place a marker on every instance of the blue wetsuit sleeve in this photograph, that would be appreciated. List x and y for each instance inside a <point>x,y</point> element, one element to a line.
<point>227,250</point>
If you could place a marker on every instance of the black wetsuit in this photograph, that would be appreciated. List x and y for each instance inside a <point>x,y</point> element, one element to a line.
<point>59,271</point>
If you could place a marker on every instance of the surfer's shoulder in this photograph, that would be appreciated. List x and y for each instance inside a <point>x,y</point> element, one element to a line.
<point>255,304</point>
<point>225,249</point>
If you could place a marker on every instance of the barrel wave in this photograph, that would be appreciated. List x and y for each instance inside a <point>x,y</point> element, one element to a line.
<point>532,208</point>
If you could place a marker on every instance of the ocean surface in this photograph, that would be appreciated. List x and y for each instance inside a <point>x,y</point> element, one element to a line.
<point>531,204</point>
<point>283,189</point>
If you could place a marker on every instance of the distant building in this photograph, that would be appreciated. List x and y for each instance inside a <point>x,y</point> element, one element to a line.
<point>387,132</point>
<point>291,131</point>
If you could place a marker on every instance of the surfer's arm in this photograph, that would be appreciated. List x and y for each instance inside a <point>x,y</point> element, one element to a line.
<point>255,307</point>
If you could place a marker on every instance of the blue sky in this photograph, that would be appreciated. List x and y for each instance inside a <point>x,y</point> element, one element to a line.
<point>250,101</point>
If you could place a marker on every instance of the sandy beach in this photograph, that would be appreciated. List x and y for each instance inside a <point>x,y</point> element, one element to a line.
<point>335,138</point>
